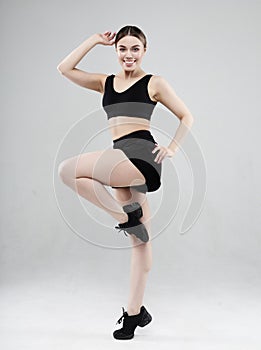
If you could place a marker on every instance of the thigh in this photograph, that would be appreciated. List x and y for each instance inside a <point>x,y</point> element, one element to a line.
<point>111,167</point>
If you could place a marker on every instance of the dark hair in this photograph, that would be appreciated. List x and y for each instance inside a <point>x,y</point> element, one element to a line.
<point>131,30</point>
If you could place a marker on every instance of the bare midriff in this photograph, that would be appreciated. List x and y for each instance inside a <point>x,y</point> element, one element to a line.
<point>120,125</point>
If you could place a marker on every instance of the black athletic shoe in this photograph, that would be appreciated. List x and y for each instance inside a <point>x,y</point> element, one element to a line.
<point>133,225</point>
<point>130,323</point>
<point>145,317</point>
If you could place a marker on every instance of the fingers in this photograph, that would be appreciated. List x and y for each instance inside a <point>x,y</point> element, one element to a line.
<point>161,154</point>
<point>108,37</point>
<point>155,150</point>
<point>109,34</point>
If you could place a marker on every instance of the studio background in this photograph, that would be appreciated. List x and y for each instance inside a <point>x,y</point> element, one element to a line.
<point>61,291</point>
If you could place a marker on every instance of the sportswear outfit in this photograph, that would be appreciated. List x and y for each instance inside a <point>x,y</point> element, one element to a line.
<point>137,145</point>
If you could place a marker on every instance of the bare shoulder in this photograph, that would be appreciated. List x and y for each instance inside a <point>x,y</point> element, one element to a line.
<point>160,86</point>
<point>156,86</point>
<point>157,81</point>
<point>92,81</point>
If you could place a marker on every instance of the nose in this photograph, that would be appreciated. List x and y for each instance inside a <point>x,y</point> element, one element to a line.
<point>128,54</point>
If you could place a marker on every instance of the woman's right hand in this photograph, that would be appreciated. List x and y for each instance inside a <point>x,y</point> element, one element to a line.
<point>107,38</point>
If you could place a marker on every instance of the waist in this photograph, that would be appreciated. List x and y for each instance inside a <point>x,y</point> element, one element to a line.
<point>142,134</point>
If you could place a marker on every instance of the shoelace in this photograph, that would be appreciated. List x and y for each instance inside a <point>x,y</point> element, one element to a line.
<point>121,229</point>
<point>124,313</point>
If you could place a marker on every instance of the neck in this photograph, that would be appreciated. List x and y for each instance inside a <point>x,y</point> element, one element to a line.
<point>131,74</point>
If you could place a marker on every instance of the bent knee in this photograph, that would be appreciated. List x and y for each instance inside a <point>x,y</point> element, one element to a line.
<point>64,170</point>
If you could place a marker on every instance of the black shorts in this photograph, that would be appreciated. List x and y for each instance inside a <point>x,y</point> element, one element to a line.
<point>138,146</point>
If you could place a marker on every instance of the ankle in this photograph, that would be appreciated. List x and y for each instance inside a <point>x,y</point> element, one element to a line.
<point>123,218</point>
<point>133,311</point>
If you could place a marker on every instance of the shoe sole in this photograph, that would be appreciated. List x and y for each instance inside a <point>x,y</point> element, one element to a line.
<point>123,337</point>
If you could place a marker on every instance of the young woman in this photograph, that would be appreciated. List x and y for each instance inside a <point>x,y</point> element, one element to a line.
<point>133,166</point>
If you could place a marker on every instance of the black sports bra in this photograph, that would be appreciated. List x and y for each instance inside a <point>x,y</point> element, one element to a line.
<point>133,102</point>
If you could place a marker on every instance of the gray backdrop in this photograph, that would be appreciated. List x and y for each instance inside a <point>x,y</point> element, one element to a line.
<point>60,291</point>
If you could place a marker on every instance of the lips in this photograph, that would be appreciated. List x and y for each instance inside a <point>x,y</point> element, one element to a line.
<point>129,63</point>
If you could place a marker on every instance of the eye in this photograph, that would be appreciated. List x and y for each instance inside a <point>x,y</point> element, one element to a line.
<point>135,49</point>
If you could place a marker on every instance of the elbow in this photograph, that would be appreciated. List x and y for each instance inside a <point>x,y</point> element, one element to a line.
<point>60,70</point>
<point>63,70</point>
<point>188,120</point>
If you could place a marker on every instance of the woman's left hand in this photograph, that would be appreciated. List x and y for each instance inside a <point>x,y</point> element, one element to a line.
<point>163,153</point>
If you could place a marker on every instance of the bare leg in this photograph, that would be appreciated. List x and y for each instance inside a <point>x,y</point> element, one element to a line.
<point>86,174</point>
<point>141,258</point>
<point>92,190</point>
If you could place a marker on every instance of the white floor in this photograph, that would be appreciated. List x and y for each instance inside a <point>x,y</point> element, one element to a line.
<point>62,314</point>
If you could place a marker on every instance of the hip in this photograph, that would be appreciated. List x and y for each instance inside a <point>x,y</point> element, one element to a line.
<point>138,145</point>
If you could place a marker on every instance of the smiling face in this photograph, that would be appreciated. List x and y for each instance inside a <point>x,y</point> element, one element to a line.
<point>130,52</point>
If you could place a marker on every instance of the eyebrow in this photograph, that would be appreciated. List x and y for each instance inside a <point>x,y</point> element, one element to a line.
<point>132,45</point>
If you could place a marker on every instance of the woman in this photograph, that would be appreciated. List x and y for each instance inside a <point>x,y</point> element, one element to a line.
<point>133,166</point>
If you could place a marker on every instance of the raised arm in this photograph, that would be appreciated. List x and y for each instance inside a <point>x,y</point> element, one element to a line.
<point>67,66</point>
